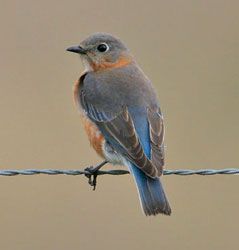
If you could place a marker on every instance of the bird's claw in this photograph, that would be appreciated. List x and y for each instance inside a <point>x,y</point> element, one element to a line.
<point>92,173</point>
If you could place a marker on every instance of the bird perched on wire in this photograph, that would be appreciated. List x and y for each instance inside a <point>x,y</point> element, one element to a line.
<point>121,115</point>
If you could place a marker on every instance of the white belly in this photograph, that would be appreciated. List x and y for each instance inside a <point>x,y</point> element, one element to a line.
<point>112,156</point>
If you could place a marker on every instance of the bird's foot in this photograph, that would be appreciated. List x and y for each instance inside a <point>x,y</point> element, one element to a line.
<point>93,173</point>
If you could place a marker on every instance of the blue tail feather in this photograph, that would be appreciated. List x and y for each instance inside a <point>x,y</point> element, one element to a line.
<point>151,193</point>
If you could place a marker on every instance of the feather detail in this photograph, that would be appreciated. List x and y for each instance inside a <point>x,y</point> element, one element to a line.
<point>76,89</point>
<point>122,129</point>
<point>156,129</point>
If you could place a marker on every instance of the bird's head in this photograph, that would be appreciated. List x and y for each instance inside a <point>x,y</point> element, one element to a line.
<point>101,51</point>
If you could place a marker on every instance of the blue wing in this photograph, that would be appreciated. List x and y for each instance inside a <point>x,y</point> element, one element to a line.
<point>124,134</point>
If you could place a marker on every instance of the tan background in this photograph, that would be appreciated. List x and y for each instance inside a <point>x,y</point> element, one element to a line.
<point>190,50</point>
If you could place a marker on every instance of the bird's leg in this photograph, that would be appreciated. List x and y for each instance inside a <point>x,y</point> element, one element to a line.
<point>93,171</point>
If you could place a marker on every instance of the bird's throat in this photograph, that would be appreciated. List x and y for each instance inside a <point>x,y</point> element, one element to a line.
<point>121,62</point>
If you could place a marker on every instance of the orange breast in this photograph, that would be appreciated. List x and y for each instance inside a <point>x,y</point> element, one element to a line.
<point>95,136</point>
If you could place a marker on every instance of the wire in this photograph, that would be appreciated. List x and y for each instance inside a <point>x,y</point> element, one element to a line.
<point>184,172</point>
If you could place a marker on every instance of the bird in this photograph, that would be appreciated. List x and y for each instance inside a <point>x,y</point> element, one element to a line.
<point>121,115</point>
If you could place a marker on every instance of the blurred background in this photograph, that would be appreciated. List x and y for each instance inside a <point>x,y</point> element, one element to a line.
<point>190,50</point>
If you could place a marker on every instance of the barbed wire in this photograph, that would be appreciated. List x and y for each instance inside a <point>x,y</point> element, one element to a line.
<point>183,172</point>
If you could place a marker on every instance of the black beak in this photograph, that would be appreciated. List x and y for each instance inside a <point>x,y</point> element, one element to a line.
<point>77,49</point>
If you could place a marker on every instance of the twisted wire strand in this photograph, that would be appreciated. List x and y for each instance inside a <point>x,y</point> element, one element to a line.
<point>183,172</point>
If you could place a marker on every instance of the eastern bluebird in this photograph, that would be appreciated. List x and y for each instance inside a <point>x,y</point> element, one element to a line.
<point>122,116</point>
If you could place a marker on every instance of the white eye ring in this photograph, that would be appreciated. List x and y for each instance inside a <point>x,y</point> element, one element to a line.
<point>103,47</point>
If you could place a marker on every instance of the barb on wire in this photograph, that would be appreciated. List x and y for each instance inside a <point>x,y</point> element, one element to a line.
<point>183,172</point>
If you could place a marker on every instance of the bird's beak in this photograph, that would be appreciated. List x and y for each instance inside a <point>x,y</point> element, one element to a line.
<point>77,49</point>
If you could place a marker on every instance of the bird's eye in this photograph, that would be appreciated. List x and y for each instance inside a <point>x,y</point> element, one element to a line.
<point>103,47</point>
